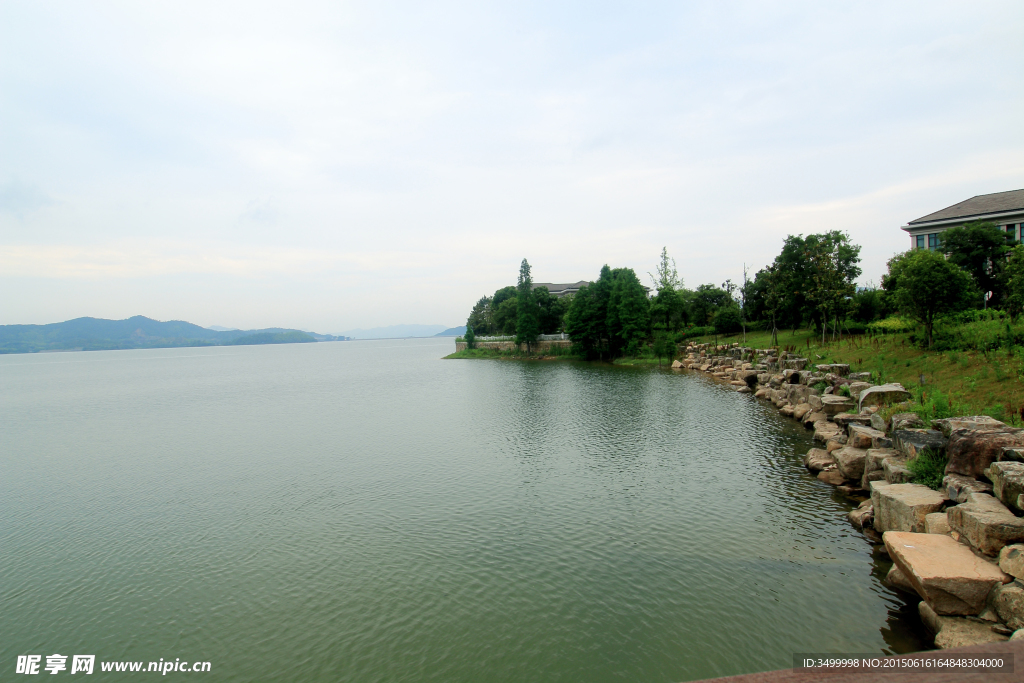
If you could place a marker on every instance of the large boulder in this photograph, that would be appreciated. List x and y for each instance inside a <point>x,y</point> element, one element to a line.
<point>847,419</point>
<point>873,465</point>
<point>896,471</point>
<point>948,425</point>
<point>971,451</point>
<point>818,459</point>
<point>957,486</point>
<point>862,515</point>
<point>833,405</point>
<point>832,475</point>
<point>857,387</point>
<point>953,632</point>
<point>748,376</point>
<point>985,524</point>
<point>823,431</point>
<point>878,422</point>
<point>1012,454</point>
<point>815,402</point>
<point>905,421</point>
<point>1007,482</point>
<point>814,417</point>
<point>936,523</point>
<point>911,442</point>
<point>882,395</point>
<point>866,437</point>
<point>1009,603</point>
<point>800,410</point>
<point>946,574</point>
<point>850,462</point>
<point>903,507</point>
<point>1011,560</point>
<point>896,579</point>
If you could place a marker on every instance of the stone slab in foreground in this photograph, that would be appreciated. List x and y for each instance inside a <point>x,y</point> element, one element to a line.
<point>946,574</point>
<point>951,632</point>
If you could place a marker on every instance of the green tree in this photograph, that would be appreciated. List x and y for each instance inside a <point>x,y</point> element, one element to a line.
<point>505,316</point>
<point>667,307</point>
<point>550,310</point>
<point>663,347</point>
<point>527,318</point>
<point>470,337</point>
<point>1015,281</point>
<point>727,320</point>
<point>706,301</point>
<point>480,316</point>
<point>628,313</point>
<point>980,248</point>
<point>831,271</point>
<point>928,286</point>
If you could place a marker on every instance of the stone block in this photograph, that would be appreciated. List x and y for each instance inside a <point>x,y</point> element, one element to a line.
<point>1012,454</point>
<point>847,419</point>
<point>911,442</point>
<point>1011,560</point>
<point>832,476</point>
<point>873,465</point>
<point>814,417</point>
<point>971,451</point>
<point>800,410</point>
<point>860,376</point>
<point>884,394</point>
<point>1007,482</point>
<point>815,402</point>
<point>957,486</point>
<point>1009,603</point>
<point>850,462</point>
<point>895,470</point>
<point>951,632</point>
<point>936,523</point>
<point>857,387</point>
<point>903,507</point>
<point>972,422</point>
<point>897,580</point>
<point>985,523</point>
<point>795,363</point>
<point>866,437</point>
<point>833,405</point>
<point>818,459</point>
<point>862,515</point>
<point>879,423</point>
<point>905,421</point>
<point>946,574</point>
<point>824,430</point>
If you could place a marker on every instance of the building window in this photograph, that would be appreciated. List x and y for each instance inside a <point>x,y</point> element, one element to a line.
<point>1011,232</point>
<point>933,241</point>
<point>920,242</point>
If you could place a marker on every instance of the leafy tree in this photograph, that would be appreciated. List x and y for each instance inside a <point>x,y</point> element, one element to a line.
<point>1015,281</point>
<point>628,312</point>
<point>470,337</point>
<point>927,286</point>
<point>663,347</point>
<point>980,248</point>
<point>480,316</point>
<point>505,316</point>
<point>831,271</point>
<point>666,308</point>
<point>727,320</point>
<point>868,304</point>
<point>550,310</point>
<point>583,323</point>
<point>527,318</point>
<point>707,299</point>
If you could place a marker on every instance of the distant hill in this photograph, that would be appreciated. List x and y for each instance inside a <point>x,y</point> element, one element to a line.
<point>397,332</point>
<point>452,332</point>
<point>138,332</point>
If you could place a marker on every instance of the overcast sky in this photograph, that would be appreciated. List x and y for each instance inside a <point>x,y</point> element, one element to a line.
<point>328,166</point>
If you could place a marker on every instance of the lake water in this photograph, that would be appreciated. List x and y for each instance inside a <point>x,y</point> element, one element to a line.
<point>365,511</point>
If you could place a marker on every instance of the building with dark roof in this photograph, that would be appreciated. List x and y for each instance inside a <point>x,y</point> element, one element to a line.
<point>1005,209</point>
<point>561,289</point>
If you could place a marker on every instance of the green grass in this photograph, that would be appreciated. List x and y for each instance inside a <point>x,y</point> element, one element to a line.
<point>928,468</point>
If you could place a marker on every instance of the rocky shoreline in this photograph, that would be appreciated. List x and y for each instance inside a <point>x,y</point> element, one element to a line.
<point>958,550</point>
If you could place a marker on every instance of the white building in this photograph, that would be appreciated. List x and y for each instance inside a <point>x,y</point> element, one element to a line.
<point>1005,209</point>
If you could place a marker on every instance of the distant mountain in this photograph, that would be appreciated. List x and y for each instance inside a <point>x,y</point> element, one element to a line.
<point>138,332</point>
<point>452,332</point>
<point>218,328</point>
<point>397,332</point>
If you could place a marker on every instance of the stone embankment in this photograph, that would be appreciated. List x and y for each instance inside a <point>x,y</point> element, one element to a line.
<point>959,550</point>
<point>539,347</point>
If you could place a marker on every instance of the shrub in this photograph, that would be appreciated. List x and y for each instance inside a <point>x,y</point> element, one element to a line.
<point>928,468</point>
<point>820,386</point>
<point>843,390</point>
<point>727,320</point>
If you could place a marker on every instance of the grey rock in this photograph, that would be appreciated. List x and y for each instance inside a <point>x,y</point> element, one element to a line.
<point>818,459</point>
<point>895,470</point>
<point>911,442</point>
<point>1007,482</point>
<point>850,462</point>
<point>1011,560</point>
<point>972,422</point>
<point>905,421</point>
<point>884,394</point>
<point>985,524</point>
<point>879,423</point>
<point>903,507</point>
<point>951,632</point>
<point>957,486</point>
<point>1009,604</point>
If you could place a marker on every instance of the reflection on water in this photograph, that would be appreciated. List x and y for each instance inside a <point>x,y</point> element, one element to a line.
<point>365,511</point>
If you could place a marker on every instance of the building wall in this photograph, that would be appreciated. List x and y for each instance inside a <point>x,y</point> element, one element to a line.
<point>931,233</point>
<point>539,347</point>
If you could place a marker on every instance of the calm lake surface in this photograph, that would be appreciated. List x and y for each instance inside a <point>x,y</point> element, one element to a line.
<point>364,511</point>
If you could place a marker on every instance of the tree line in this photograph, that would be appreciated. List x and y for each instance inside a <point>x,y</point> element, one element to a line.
<point>810,283</point>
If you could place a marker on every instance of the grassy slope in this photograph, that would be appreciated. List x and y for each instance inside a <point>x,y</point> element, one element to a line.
<point>982,383</point>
